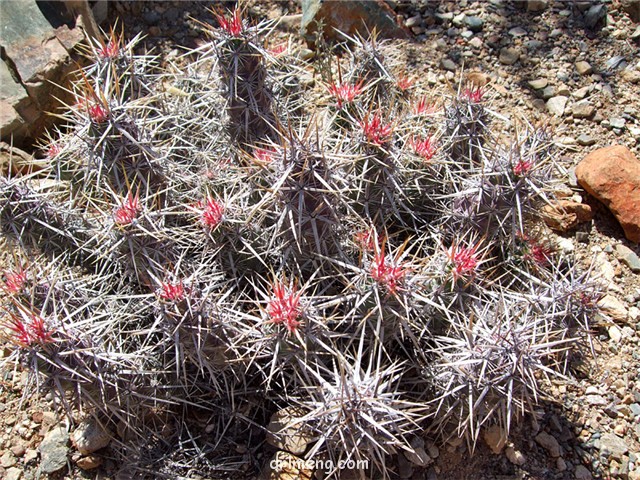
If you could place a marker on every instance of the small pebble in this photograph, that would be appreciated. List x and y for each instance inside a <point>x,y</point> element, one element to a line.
<point>517,32</point>
<point>581,93</point>
<point>582,237</point>
<point>474,23</point>
<point>617,122</point>
<point>556,105</point>
<point>509,56</point>
<point>538,84</point>
<point>585,139</point>
<point>448,64</point>
<point>584,68</point>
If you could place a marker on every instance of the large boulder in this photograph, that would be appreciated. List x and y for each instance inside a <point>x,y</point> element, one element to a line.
<point>355,17</point>
<point>612,175</point>
<point>39,54</point>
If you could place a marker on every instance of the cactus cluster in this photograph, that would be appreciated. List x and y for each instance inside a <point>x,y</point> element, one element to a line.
<point>214,240</point>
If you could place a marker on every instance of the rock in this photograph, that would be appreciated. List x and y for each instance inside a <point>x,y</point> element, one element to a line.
<point>444,17</point>
<point>474,23</point>
<point>582,473</point>
<point>413,21</point>
<point>90,462</point>
<point>628,257</point>
<point>556,105</point>
<point>7,460</point>
<point>515,456</point>
<point>356,17</point>
<point>30,455</point>
<point>605,270</point>
<point>581,93</point>
<point>18,161</point>
<point>538,84</point>
<point>549,443</point>
<point>284,466</point>
<point>582,109</point>
<point>90,436</point>
<point>539,105</point>
<point>433,450</point>
<point>448,64</point>
<point>18,449</point>
<point>509,56</point>
<point>592,390</point>
<point>595,17</point>
<point>13,473</point>
<point>566,141</point>
<point>533,44</point>
<point>458,20</point>
<point>584,68</point>
<point>561,465</point>
<point>495,438</point>
<point>565,245</point>
<point>612,175</point>
<point>628,332</point>
<point>419,456</point>
<point>612,446</point>
<point>596,400</point>
<point>614,308</point>
<point>548,92</point>
<point>476,42</point>
<point>565,215</point>
<point>36,58</point>
<point>555,33</point>
<point>617,122</point>
<point>631,8</point>
<point>405,467</point>
<point>53,450</point>
<point>614,333</point>
<point>585,140</point>
<point>620,430</point>
<point>616,62</point>
<point>286,433</point>
<point>517,32</point>
<point>13,100</point>
<point>536,6</point>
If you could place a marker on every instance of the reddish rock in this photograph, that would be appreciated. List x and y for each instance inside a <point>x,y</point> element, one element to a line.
<point>612,175</point>
<point>565,215</point>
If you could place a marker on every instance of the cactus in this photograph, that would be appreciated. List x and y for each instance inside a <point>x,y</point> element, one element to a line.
<point>193,251</point>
